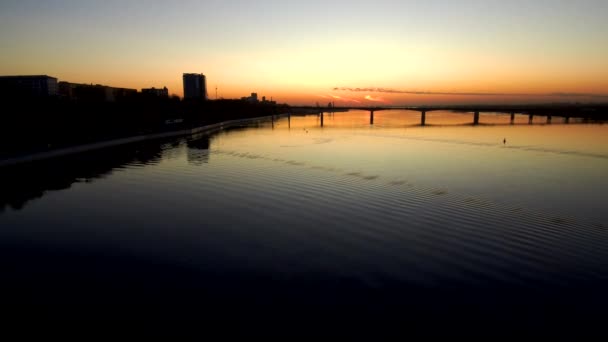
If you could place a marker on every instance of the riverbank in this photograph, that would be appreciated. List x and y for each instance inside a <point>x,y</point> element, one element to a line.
<point>207,129</point>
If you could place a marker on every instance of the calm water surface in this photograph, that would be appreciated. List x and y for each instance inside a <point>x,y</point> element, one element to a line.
<point>351,227</point>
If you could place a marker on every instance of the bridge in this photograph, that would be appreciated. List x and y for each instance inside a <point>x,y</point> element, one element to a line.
<point>589,112</point>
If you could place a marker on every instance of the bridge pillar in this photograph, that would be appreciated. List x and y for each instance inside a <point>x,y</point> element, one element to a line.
<point>567,119</point>
<point>512,118</point>
<point>371,117</point>
<point>530,118</point>
<point>476,118</point>
<point>289,121</point>
<point>423,118</point>
<point>549,119</point>
<point>321,119</point>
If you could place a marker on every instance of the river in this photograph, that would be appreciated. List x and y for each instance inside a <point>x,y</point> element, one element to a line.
<point>351,227</point>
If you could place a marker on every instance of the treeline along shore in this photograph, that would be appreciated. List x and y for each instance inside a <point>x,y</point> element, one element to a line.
<point>36,124</point>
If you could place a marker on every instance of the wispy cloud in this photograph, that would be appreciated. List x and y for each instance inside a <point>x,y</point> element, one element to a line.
<point>346,99</point>
<point>374,99</point>
<point>578,94</point>
<point>416,92</point>
<point>339,98</point>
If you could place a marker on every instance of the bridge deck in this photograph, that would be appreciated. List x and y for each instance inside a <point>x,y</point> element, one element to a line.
<point>591,111</point>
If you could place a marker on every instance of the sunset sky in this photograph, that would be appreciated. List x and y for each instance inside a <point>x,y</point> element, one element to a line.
<point>302,52</point>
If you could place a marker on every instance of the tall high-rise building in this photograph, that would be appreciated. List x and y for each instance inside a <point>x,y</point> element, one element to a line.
<point>195,86</point>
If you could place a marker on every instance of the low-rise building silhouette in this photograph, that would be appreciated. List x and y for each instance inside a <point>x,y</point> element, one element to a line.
<point>160,92</point>
<point>195,86</point>
<point>93,92</point>
<point>253,98</point>
<point>28,85</point>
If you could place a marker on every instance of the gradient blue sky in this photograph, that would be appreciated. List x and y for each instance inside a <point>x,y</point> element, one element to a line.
<point>299,51</point>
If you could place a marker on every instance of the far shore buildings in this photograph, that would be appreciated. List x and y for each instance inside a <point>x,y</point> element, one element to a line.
<point>28,85</point>
<point>195,86</point>
<point>24,87</point>
<point>159,92</point>
<point>254,99</point>
<point>93,92</point>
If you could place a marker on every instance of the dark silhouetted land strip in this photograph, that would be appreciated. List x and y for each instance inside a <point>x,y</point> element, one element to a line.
<point>38,124</point>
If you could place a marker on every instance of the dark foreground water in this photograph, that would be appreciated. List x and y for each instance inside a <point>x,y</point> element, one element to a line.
<point>293,229</point>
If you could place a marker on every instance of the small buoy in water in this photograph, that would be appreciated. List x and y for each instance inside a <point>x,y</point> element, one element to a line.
<point>504,141</point>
